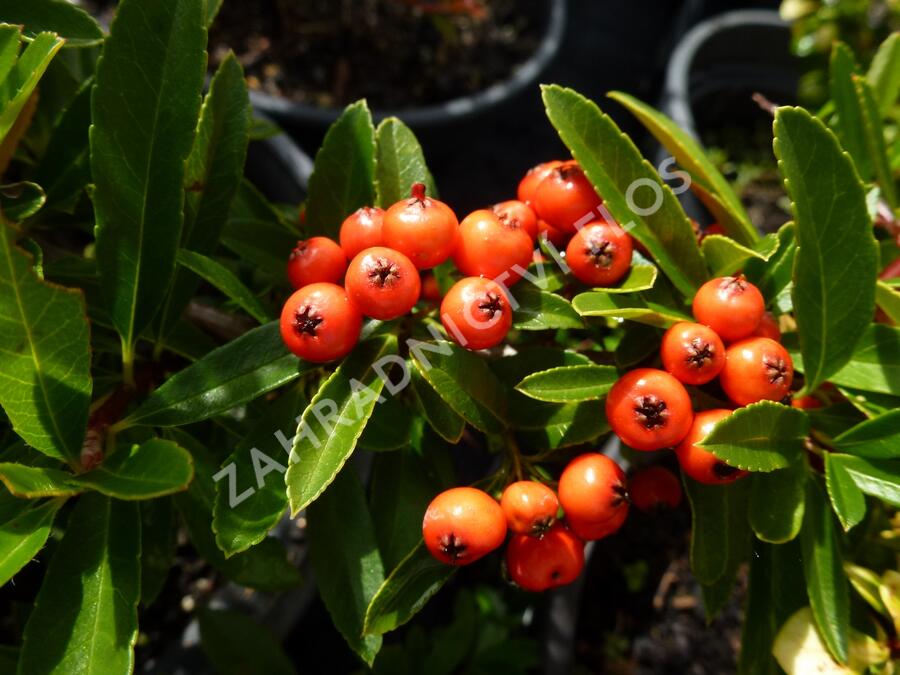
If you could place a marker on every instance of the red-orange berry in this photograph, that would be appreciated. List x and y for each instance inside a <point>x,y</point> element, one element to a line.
<point>731,306</point>
<point>556,559</point>
<point>423,229</point>
<point>476,313</point>
<point>362,230</point>
<point>530,507</point>
<point>462,525</point>
<point>692,352</point>
<point>648,409</point>
<point>489,247</point>
<point>319,323</point>
<point>566,198</point>
<point>533,178</point>
<point>653,488</point>
<point>768,327</point>
<point>701,464</point>
<point>594,496</point>
<point>757,369</point>
<point>383,283</point>
<point>599,254</point>
<point>431,290</point>
<point>518,214</point>
<point>314,260</point>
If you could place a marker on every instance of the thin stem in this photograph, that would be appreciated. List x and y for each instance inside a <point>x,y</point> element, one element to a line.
<point>128,364</point>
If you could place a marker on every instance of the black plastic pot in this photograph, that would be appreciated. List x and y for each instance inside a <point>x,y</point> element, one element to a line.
<point>292,115</point>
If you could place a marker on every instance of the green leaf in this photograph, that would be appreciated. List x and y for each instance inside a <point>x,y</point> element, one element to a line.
<point>45,382</point>
<point>19,201</point>
<point>24,535</point>
<point>148,85</point>
<point>850,126</point>
<point>264,567</point>
<point>222,278</point>
<point>235,373</point>
<point>762,436</point>
<point>250,496</point>
<point>400,163</point>
<point>739,541</point>
<point>540,310</point>
<point>255,233</point>
<point>22,78</point>
<point>639,278</point>
<point>333,422</point>
<point>726,256</point>
<point>235,644</point>
<point>212,178</point>
<point>155,468</point>
<point>847,499</point>
<point>85,617</point>
<point>408,588</point>
<point>556,425</point>
<point>630,307</point>
<point>709,529</point>
<point>777,502</point>
<point>388,428</point>
<point>874,138</point>
<point>835,264</point>
<point>464,381</point>
<point>774,275</point>
<point>344,176</point>
<point>826,582</point>
<point>30,482</point>
<point>440,416</point>
<point>879,478</point>
<point>158,530</point>
<point>70,22</point>
<point>569,383</point>
<point>877,438</point>
<point>875,363</point>
<point>717,193</point>
<point>888,299</point>
<point>613,164</point>
<point>345,559</point>
<point>884,73</point>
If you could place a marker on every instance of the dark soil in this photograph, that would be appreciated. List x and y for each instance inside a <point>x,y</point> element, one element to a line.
<point>394,53</point>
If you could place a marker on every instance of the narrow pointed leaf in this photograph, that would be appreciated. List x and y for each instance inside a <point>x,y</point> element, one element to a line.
<point>255,232</point>
<point>45,382</point>
<point>613,163</point>
<point>70,22</point>
<point>849,124</point>
<point>235,373</point>
<point>31,482</point>
<point>888,299</point>
<point>835,267</point>
<point>879,478</point>
<point>540,310</point>
<point>221,277</point>
<point>23,77</point>
<point>345,559</point>
<point>23,536</point>
<point>325,440</point>
<point>400,163</point>
<point>19,201</point>
<point>147,89</point>
<point>877,438</point>
<point>873,131</point>
<point>884,73</point>
<point>709,530</point>
<point>85,616</point>
<point>875,363</point>
<point>847,499</point>
<point>344,176</point>
<point>448,424</point>
<point>629,307</point>
<point>569,383</point>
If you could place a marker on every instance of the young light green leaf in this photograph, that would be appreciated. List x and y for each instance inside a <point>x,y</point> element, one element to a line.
<point>148,86</point>
<point>629,307</point>
<point>877,438</point>
<point>847,499</point>
<point>884,73</point>
<point>717,193</point>
<point>440,416</point>
<point>221,277</point>
<point>725,256</point>
<point>888,300</point>
<point>344,176</point>
<point>464,381</point>
<point>22,78</point>
<point>256,650</point>
<point>19,201</point>
<point>879,478</point>
<point>24,535</point>
<point>826,582</point>
<point>614,165</point>
<point>45,382</point>
<point>835,265</point>
<point>762,436</point>
<point>153,469</point>
<point>540,310</point>
<point>400,163</point>
<point>10,41</point>
<point>333,422</point>
<point>800,649</point>
<point>774,275</point>
<point>408,588</point>
<point>250,496</point>
<point>33,482</point>
<point>85,617</point>
<point>569,383</point>
<point>875,363</point>
<point>235,373</point>
<point>70,22</point>
<point>640,278</point>
<point>345,559</point>
<point>212,178</point>
<point>777,501</point>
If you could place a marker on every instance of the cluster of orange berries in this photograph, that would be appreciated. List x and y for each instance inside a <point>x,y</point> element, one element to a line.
<point>650,409</point>
<point>388,249</point>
